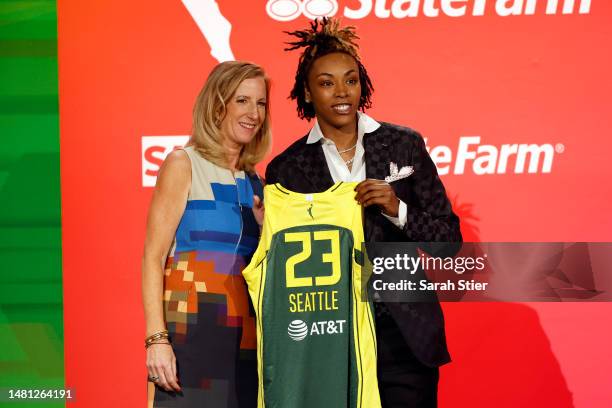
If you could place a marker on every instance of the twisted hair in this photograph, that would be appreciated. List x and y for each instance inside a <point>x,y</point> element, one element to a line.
<point>325,36</point>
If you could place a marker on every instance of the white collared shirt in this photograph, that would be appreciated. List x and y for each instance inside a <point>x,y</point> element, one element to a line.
<point>339,170</point>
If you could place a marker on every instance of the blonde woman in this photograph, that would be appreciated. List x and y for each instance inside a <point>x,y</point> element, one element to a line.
<point>202,230</point>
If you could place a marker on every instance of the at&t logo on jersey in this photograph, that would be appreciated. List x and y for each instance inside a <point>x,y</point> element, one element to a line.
<point>298,329</point>
<point>154,151</point>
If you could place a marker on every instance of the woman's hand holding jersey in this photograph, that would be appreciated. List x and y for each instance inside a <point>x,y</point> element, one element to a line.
<point>378,192</point>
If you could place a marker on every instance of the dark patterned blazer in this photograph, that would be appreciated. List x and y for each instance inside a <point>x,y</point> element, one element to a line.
<point>302,168</point>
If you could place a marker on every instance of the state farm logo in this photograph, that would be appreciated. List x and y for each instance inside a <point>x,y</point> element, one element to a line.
<point>288,10</point>
<point>469,157</point>
<point>154,151</point>
<point>484,159</point>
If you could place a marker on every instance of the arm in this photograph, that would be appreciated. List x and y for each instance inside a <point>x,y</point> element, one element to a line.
<point>416,204</point>
<point>165,212</point>
<point>430,217</point>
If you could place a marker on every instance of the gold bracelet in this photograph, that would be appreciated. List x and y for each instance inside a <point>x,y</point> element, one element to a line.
<point>158,335</point>
<point>162,335</point>
<point>147,345</point>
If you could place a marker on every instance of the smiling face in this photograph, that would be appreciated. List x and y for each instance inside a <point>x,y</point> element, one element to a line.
<point>245,113</point>
<point>334,90</point>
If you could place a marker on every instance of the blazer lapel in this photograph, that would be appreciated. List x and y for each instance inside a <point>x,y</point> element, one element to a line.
<point>376,155</point>
<point>314,167</point>
<point>376,151</point>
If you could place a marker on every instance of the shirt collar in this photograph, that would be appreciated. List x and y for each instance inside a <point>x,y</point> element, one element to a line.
<point>365,124</point>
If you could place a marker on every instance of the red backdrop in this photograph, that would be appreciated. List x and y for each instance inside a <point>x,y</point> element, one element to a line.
<point>133,69</point>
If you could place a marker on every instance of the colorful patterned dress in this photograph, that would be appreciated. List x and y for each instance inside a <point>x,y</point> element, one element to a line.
<point>207,309</point>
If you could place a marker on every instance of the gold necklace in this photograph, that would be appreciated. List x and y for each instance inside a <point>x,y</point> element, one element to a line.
<point>347,150</point>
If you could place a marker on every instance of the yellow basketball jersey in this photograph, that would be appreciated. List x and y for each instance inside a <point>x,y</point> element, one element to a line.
<point>316,342</point>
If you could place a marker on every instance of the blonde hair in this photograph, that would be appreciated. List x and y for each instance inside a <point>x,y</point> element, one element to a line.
<point>210,109</point>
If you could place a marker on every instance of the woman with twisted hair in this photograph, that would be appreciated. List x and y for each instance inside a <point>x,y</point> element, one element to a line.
<point>332,86</point>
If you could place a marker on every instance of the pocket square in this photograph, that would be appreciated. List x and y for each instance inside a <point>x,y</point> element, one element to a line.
<point>395,174</point>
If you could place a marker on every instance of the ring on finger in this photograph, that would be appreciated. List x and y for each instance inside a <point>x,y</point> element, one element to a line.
<point>153,378</point>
